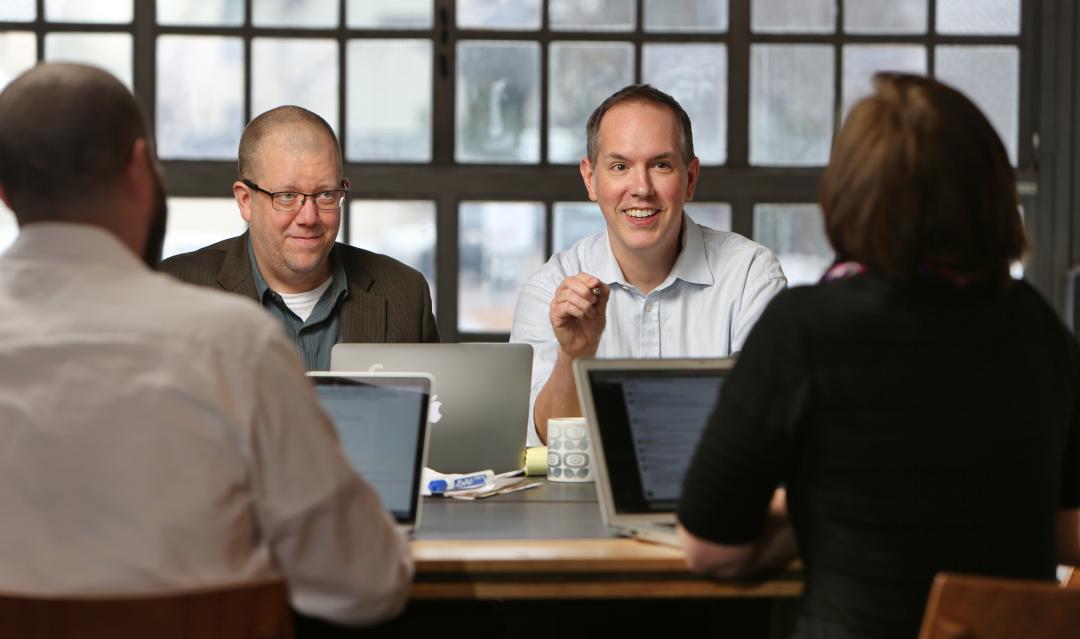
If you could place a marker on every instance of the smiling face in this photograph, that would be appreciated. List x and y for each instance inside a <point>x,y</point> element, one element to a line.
<point>291,249</point>
<point>640,181</point>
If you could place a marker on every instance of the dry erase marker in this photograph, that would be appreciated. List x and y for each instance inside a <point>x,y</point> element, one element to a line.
<point>460,482</point>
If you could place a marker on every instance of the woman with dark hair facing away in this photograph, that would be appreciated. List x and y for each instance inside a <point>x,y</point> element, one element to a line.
<point>919,406</point>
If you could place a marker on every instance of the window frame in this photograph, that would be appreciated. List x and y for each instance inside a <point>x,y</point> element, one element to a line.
<point>448,183</point>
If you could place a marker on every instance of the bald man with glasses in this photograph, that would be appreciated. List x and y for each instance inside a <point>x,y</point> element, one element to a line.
<point>290,191</point>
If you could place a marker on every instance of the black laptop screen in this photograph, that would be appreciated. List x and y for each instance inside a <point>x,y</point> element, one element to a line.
<point>381,428</point>
<point>650,422</point>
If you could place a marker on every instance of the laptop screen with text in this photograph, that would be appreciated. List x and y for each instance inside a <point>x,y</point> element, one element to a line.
<point>650,422</point>
<point>381,427</point>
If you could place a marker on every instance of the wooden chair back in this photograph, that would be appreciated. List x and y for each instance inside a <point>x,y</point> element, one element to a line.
<point>251,610</point>
<point>970,607</point>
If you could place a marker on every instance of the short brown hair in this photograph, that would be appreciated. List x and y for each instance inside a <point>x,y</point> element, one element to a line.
<point>66,137</point>
<point>639,93</point>
<point>919,180</point>
<point>279,118</point>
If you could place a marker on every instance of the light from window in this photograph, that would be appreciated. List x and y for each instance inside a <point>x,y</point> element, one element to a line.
<point>713,215</point>
<point>195,222</point>
<point>990,76</point>
<point>791,104</point>
<point>200,96</point>
<point>696,76</point>
<point>500,244</point>
<point>18,53</point>
<point>100,11</point>
<point>389,100</point>
<point>213,13</point>
<point>595,15</point>
<point>300,71</point>
<point>510,15</point>
<point>304,14</point>
<point>793,16</point>
<point>686,16</point>
<point>978,17</point>
<point>796,234</point>
<point>110,51</point>
<point>402,229</point>
<point>389,14</point>
<point>885,16</point>
<point>498,102</point>
<point>571,221</point>
<point>582,75</point>
<point>18,11</point>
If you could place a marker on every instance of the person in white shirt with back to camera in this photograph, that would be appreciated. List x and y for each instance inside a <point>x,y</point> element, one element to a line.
<point>154,436</point>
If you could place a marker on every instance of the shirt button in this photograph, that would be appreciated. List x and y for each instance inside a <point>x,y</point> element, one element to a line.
<point>649,307</point>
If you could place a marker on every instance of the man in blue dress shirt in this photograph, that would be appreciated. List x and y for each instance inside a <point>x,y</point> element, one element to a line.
<point>672,288</point>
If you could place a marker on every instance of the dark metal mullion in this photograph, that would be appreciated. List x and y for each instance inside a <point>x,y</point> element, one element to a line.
<point>144,61</point>
<point>738,121</point>
<point>1028,86</point>
<point>444,106</point>
<point>342,123</point>
<point>931,44</point>
<point>552,183</point>
<point>639,41</point>
<point>41,26</point>
<point>838,70</point>
<point>447,251</point>
<point>38,25</point>
<point>247,33</point>
<point>545,97</point>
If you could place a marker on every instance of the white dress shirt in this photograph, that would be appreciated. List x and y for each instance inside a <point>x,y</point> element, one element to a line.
<point>156,435</point>
<point>719,285</point>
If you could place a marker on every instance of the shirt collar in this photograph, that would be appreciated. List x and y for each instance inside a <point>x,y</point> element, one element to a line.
<point>691,266</point>
<point>72,242</point>
<point>338,287</point>
<point>261,287</point>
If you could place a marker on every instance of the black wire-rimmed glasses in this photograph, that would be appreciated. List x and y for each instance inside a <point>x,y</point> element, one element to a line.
<point>291,202</point>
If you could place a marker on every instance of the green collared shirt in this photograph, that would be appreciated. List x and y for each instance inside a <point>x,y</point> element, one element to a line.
<point>315,336</point>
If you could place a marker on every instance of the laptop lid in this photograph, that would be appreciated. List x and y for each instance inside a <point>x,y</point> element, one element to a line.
<point>645,419</point>
<point>382,422</point>
<point>479,415</point>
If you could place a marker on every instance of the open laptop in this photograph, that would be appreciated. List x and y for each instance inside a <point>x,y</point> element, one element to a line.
<point>480,414</point>
<point>645,419</point>
<point>382,422</point>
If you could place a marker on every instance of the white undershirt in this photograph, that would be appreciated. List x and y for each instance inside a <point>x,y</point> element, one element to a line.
<point>303,303</point>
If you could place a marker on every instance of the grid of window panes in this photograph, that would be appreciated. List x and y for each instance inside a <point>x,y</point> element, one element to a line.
<point>462,123</point>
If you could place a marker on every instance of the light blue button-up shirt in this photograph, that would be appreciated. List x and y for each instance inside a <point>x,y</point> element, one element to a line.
<point>718,287</point>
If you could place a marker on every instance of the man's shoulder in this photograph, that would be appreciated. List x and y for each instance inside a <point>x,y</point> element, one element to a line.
<point>213,317</point>
<point>383,269</point>
<point>200,266</point>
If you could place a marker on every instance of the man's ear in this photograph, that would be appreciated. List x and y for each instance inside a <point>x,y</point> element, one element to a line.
<point>693,172</point>
<point>242,193</point>
<point>138,181</point>
<point>587,175</point>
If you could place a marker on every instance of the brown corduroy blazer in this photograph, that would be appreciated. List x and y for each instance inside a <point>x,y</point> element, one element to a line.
<point>387,301</point>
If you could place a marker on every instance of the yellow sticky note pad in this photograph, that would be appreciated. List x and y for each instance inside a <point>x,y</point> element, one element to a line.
<point>536,461</point>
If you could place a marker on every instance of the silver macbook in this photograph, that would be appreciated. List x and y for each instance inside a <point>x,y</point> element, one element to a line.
<point>382,422</point>
<point>479,414</point>
<point>645,419</point>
